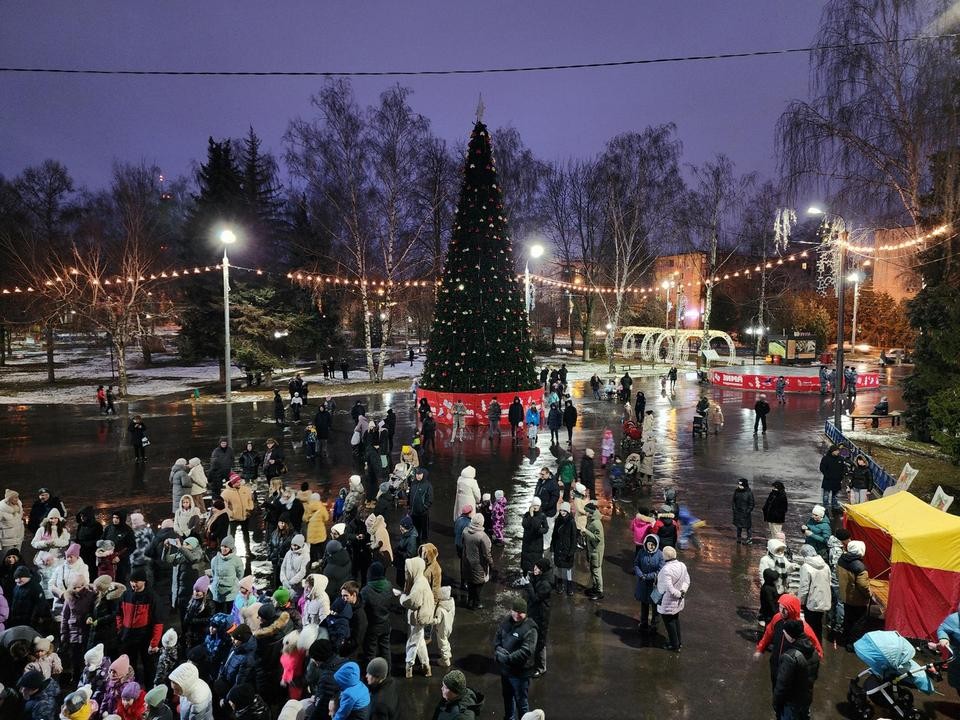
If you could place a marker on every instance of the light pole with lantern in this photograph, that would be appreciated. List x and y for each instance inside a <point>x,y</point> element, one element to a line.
<point>227,237</point>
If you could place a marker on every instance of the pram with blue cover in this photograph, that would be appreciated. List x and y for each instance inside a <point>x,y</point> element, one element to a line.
<point>892,675</point>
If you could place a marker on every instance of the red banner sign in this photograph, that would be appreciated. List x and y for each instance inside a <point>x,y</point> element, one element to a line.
<point>795,383</point>
<point>477,404</point>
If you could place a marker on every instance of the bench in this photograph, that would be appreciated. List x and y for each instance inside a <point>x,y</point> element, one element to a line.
<point>893,417</point>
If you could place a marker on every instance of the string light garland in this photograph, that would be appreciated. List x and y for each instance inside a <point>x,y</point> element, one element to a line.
<point>344,282</point>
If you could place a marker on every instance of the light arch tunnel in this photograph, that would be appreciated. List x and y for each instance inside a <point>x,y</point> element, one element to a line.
<point>648,341</point>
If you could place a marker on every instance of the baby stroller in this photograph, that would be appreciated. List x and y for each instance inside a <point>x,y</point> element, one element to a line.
<point>632,437</point>
<point>699,426</point>
<point>400,481</point>
<point>892,675</point>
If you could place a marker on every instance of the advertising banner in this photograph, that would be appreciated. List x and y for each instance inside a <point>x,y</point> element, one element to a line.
<point>795,383</point>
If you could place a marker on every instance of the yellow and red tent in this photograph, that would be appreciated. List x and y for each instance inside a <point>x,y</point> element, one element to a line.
<point>917,548</point>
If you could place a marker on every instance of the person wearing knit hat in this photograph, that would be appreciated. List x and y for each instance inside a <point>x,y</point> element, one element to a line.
<point>76,706</point>
<point>338,530</point>
<point>456,699</point>
<point>72,551</point>
<point>281,597</point>
<point>534,715</point>
<point>202,585</point>
<point>514,650</point>
<point>137,521</point>
<point>854,586</point>
<point>535,528</point>
<point>817,530</point>
<point>156,702</point>
<point>384,692</point>
<point>227,570</point>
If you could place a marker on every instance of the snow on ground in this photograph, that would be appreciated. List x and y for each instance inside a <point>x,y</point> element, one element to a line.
<point>80,369</point>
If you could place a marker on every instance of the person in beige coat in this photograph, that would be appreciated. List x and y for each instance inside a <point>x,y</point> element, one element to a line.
<point>11,521</point>
<point>417,599</point>
<point>468,491</point>
<point>238,497</point>
<point>185,517</point>
<point>198,482</point>
<point>379,539</point>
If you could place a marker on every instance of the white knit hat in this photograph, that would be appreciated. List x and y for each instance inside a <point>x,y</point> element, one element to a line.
<point>169,638</point>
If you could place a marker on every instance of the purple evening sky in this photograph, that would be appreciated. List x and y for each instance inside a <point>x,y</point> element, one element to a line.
<point>89,121</point>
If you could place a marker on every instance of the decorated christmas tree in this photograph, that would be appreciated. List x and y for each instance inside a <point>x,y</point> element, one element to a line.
<point>480,341</point>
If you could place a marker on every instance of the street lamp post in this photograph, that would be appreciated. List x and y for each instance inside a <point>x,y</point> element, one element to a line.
<point>666,302</point>
<point>227,238</point>
<point>856,278</point>
<point>534,251</point>
<point>676,325</point>
<point>838,367</point>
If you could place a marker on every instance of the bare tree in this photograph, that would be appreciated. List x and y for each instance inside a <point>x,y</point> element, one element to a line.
<point>521,176</point>
<point>877,112</point>
<point>45,193</point>
<point>711,214</point>
<point>106,284</point>
<point>639,182</point>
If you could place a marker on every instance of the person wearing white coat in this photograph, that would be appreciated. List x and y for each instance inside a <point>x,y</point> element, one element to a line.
<point>198,482</point>
<point>417,599</point>
<point>66,576</point>
<point>196,700</point>
<point>316,605</point>
<point>468,491</point>
<point>52,535</point>
<point>11,521</point>
<point>814,590</point>
<point>673,581</point>
<point>295,563</point>
<point>183,518</point>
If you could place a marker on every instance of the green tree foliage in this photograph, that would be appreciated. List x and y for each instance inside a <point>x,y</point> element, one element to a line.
<point>480,340</point>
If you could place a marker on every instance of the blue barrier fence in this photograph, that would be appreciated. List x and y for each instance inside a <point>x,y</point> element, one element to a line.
<point>881,478</point>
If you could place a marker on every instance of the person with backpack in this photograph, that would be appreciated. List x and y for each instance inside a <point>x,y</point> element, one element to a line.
<point>666,527</point>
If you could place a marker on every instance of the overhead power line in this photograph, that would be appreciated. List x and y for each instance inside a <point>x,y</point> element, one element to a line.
<point>469,71</point>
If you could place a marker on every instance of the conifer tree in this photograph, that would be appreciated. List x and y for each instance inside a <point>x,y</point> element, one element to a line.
<point>480,339</point>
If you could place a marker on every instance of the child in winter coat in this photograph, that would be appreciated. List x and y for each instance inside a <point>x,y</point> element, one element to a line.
<point>776,560</point>
<point>293,661</point>
<point>96,671</point>
<point>106,554</point>
<point>641,525</point>
<point>132,704</point>
<point>167,660</point>
<point>46,563</point>
<point>337,622</point>
<point>310,442</point>
<point>316,605</point>
<point>157,708</point>
<point>119,676</point>
<point>295,564</point>
<point>44,659</point>
<point>197,614</point>
<point>339,504</point>
<point>606,447</point>
<point>443,624</point>
<point>499,512</point>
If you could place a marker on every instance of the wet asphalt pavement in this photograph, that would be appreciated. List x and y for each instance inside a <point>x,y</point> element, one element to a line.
<point>599,665</point>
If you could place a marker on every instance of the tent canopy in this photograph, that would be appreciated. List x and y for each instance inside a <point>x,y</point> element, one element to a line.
<point>919,546</point>
<point>921,535</point>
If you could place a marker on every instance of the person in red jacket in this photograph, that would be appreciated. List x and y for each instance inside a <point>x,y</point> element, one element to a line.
<point>773,636</point>
<point>140,623</point>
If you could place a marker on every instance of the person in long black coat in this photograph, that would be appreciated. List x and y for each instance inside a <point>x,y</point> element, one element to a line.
<point>743,504</point>
<point>564,544</point>
<point>88,531</point>
<point>534,528</point>
<point>640,407</point>
<point>587,475</point>
<point>515,416</point>
<point>538,608</point>
<point>775,509</point>
<point>323,421</point>
<point>569,420</point>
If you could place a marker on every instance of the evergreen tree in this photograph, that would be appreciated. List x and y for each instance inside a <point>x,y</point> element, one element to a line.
<point>932,392</point>
<point>219,202</point>
<point>480,340</point>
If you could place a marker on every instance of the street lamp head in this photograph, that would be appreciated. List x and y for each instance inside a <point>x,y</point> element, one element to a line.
<point>855,277</point>
<point>536,251</point>
<point>609,326</point>
<point>814,210</point>
<point>665,284</point>
<point>227,236</point>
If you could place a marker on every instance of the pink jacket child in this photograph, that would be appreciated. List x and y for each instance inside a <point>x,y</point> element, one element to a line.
<point>641,525</point>
<point>293,661</point>
<point>606,447</point>
<point>499,511</point>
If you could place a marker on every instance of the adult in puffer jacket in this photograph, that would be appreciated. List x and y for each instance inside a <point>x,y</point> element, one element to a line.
<point>773,634</point>
<point>776,560</point>
<point>295,564</point>
<point>814,590</point>
<point>378,599</point>
<point>796,674</point>
<point>11,521</point>
<point>443,624</point>
<point>354,702</point>
<point>646,565</point>
<point>854,589</point>
<point>198,481</point>
<point>180,482</point>
<point>316,605</point>
<point>337,567</point>
<point>196,700</point>
<point>817,530</point>
<point>417,599</point>
<point>468,491</point>
<point>673,581</point>
<point>227,571</point>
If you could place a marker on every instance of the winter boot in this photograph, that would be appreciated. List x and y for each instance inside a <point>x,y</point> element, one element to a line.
<point>408,672</point>
<point>558,586</point>
<point>569,588</point>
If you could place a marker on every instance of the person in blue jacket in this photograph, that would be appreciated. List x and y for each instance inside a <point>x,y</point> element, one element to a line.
<point>354,700</point>
<point>949,635</point>
<point>532,419</point>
